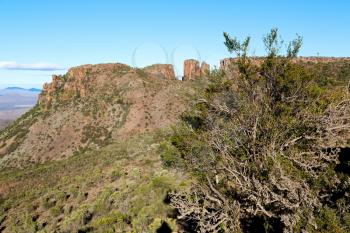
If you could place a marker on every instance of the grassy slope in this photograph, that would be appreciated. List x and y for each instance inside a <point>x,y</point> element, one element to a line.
<point>120,187</point>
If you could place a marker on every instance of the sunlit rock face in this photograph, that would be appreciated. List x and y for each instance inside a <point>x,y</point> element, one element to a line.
<point>193,69</point>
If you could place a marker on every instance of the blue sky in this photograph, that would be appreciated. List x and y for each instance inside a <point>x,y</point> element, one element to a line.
<point>40,37</point>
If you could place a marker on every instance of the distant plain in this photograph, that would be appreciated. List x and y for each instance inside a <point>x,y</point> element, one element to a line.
<point>14,102</point>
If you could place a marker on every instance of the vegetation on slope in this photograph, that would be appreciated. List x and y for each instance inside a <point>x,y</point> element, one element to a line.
<point>267,147</point>
<point>121,187</point>
<point>90,107</point>
<point>264,149</point>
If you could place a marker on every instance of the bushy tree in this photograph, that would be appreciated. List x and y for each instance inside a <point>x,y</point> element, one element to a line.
<point>264,145</point>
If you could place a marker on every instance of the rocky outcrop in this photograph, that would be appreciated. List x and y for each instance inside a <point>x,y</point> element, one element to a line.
<point>82,80</point>
<point>193,69</point>
<point>164,71</point>
<point>78,80</point>
<point>50,90</point>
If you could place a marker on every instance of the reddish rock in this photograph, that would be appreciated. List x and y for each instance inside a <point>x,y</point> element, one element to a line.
<point>164,71</point>
<point>191,70</point>
<point>49,90</point>
<point>78,79</point>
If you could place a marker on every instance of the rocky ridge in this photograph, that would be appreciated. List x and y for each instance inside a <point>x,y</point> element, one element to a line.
<point>79,81</point>
<point>91,105</point>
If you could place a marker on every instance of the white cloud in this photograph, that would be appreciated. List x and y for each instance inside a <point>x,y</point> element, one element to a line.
<point>10,65</point>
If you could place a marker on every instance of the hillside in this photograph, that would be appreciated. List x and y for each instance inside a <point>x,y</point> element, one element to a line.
<point>86,155</point>
<point>7,116</point>
<point>104,150</point>
<point>91,105</point>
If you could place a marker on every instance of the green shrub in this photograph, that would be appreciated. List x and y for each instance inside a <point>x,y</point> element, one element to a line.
<point>328,221</point>
<point>254,141</point>
<point>170,155</point>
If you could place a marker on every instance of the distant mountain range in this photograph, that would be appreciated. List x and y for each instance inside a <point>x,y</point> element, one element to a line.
<point>14,101</point>
<point>22,89</point>
<point>18,92</point>
<point>17,97</point>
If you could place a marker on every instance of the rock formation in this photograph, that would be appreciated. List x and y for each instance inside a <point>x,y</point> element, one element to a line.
<point>193,69</point>
<point>50,89</point>
<point>165,71</point>
<point>80,81</point>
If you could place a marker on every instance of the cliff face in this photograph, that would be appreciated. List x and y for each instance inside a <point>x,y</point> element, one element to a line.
<point>164,71</point>
<point>193,69</point>
<point>91,105</point>
<point>50,89</point>
<point>80,81</point>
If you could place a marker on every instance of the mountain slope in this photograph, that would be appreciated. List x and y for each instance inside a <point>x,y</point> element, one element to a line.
<point>118,188</point>
<point>91,105</point>
<point>86,157</point>
<point>90,156</point>
<point>9,115</point>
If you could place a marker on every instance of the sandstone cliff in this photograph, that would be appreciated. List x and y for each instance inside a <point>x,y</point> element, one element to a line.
<point>193,69</point>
